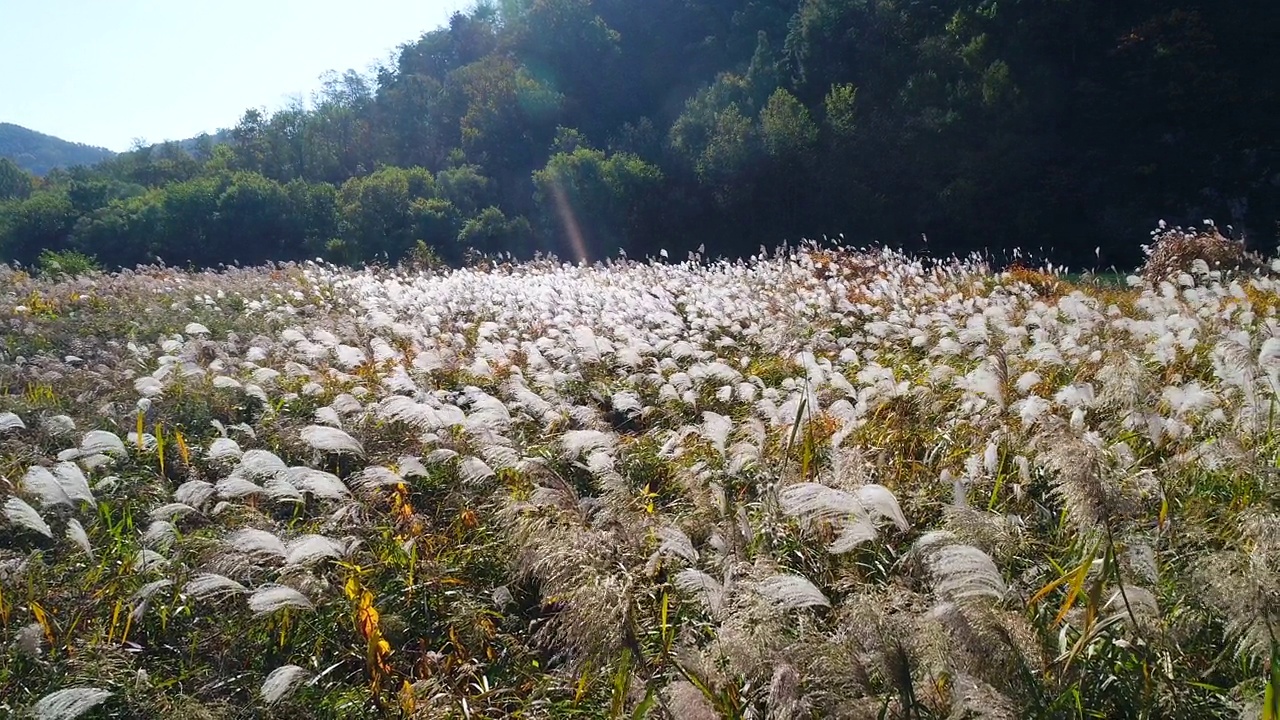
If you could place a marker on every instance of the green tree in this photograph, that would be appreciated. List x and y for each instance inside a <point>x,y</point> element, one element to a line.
<point>491,231</point>
<point>252,223</point>
<point>42,221</point>
<point>465,187</point>
<point>787,131</point>
<point>313,211</point>
<point>595,204</point>
<point>509,113</point>
<point>123,233</point>
<point>15,183</point>
<point>377,212</point>
<point>840,110</point>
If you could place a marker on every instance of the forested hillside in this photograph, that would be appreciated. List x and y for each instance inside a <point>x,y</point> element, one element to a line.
<point>38,153</point>
<point>582,127</point>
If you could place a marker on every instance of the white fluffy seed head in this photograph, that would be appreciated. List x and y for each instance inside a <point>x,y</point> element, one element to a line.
<point>272,597</point>
<point>205,585</point>
<point>23,515</point>
<point>331,440</point>
<point>44,484</point>
<point>792,592</point>
<point>309,549</point>
<point>102,442</point>
<point>259,464</point>
<point>77,535</point>
<point>222,449</point>
<point>69,703</point>
<point>282,682</point>
<point>257,544</point>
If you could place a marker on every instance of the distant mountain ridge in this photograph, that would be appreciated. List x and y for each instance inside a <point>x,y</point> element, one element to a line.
<point>38,153</point>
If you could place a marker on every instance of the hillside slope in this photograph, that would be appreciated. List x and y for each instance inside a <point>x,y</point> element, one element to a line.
<point>38,153</point>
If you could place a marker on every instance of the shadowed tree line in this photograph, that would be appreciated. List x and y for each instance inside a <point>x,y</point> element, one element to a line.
<point>585,127</point>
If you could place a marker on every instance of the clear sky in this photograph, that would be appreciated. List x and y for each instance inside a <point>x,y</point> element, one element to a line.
<point>104,72</point>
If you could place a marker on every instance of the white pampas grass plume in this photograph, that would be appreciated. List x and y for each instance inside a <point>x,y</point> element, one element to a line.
<point>321,484</point>
<point>194,493</point>
<point>500,457</point>
<point>73,482</point>
<point>172,510</point>
<point>45,485</point>
<point>473,470</point>
<point>1269,356</point>
<point>676,544</point>
<point>331,440</point>
<point>716,429</point>
<point>854,531</point>
<point>58,425</point>
<point>210,584</point>
<point>148,386</point>
<point>281,490</point>
<point>579,442</point>
<point>77,535</point>
<point>103,442</point>
<point>791,592</point>
<point>146,591</point>
<point>960,572</point>
<point>350,357</point>
<point>703,587</point>
<point>308,549</point>
<point>411,467</point>
<point>272,597</point>
<point>23,515</point>
<point>853,514</point>
<point>224,449</point>
<point>440,456</point>
<point>10,421</point>
<point>259,464</point>
<point>282,682</point>
<point>627,403</point>
<point>399,408</point>
<point>147,560</point>
<point>258,544</point>
<point>234,487</point>
<point>880,501</point>
<point>160,535</point>
<point>328,416</point>
<point>375,476</point>
<point>148,442</point>
<point>819,501</point>
<point>142,598</point>
<point>487,411</point>
<point>69,704</point>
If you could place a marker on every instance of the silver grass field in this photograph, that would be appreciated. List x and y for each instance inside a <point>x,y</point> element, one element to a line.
<point>816,484</point>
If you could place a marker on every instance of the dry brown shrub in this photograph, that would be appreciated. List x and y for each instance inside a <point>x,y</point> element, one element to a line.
<point>1175,250</point>
<point>843,263</point>
<point>1043,283</point>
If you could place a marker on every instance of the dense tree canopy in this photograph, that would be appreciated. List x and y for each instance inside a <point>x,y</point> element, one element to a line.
<point>585,127</point>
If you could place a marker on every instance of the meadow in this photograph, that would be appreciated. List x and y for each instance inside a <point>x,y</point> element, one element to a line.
<point>817,484</point>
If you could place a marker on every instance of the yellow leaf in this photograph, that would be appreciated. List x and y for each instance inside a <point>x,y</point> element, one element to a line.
<point>1077,582</point>
<point>408,703</point>
<point>43,619</point>
<point>183,452</point>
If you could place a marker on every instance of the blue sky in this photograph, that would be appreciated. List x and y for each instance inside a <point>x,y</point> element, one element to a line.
<point>105,72</point>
